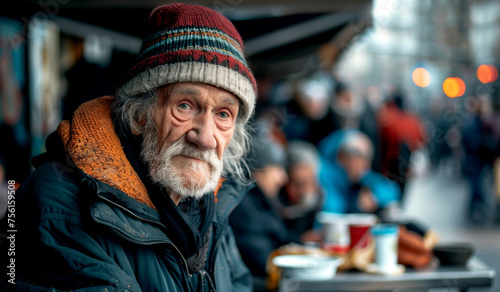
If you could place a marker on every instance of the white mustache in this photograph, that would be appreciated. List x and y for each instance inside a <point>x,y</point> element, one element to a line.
<point>183,148</point>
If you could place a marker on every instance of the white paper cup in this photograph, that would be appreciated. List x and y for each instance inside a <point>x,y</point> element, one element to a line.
<point>335,232</point>
<point>386,246</point>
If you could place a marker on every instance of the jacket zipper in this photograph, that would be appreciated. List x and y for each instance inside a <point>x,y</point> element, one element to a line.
<point>217,242</point>
<point>212,286</point>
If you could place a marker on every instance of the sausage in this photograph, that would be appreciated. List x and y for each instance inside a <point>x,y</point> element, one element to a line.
<point>411,240</point>
<point>411,250</point>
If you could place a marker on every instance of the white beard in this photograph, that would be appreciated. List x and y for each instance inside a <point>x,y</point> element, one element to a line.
<point>173,168</point>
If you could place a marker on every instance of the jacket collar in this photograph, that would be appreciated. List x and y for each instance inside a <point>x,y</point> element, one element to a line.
<point>141,225</point>
<point>229,195</point>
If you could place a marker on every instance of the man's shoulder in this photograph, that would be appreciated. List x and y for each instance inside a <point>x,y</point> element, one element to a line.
<point>52,188</point>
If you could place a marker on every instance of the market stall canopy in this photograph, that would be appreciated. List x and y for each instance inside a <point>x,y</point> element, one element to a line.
<point>281,36</point>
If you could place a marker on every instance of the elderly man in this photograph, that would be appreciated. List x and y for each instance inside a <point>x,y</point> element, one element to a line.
<point>302,197</point>
<point>127,197</point>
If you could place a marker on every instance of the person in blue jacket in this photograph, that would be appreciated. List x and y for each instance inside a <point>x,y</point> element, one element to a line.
<point>350,185</point>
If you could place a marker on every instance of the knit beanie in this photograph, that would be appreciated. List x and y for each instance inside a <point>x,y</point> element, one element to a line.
<point>191,43</point>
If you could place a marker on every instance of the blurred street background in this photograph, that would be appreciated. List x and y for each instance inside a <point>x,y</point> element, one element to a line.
<point>444,189</point>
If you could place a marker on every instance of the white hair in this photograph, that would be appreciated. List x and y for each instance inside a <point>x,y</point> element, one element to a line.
<point>136,113</point>
<point>303,153</point>
<point>356,143</point>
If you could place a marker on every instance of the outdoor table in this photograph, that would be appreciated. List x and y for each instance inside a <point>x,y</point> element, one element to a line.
<point>475,274</point>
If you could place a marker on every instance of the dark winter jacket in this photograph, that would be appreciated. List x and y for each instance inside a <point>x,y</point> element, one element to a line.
<point>86,222</point>
<point>258,229</point>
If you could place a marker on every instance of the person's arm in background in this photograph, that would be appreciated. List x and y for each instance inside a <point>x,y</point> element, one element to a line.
<point>384,190</point>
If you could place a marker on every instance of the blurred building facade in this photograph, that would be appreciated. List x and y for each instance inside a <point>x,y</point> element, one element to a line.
<point>450,38</point>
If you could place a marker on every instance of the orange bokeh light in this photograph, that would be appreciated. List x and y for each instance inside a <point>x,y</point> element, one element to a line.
<point>461,86</point>
<point>494,73</point>
<point>454,87</point>
<point>487,73</point>
<point>421,77</point>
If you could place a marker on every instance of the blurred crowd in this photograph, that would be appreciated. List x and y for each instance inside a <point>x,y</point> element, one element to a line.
<point>321,145</point>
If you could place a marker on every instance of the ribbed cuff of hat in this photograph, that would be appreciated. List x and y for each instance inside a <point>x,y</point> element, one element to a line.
<point>216,75</point>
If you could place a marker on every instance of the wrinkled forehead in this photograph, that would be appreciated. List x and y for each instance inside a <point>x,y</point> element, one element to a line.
<point>200,91</point>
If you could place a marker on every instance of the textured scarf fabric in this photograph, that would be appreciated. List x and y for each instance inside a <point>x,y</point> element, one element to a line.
<point>91,143</point>
<point>188,225</point>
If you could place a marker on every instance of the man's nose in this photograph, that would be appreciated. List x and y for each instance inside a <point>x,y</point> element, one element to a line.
<point>203,132</point>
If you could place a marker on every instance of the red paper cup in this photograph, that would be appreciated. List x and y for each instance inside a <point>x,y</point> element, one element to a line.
<point>359,225</point>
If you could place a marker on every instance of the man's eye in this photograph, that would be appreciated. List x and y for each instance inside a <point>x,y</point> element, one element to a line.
<point>184,106</point>
<point>224,115</point>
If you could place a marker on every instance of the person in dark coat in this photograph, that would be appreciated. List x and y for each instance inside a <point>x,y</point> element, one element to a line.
<point>258,227</point>
<point>480,143</point>
<point>130,195</point>
<point>308,116</point>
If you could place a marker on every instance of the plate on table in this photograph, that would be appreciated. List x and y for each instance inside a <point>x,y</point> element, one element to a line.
<point>308,267</point>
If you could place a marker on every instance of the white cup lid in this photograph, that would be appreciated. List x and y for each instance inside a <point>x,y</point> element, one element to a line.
<point>362,219</point>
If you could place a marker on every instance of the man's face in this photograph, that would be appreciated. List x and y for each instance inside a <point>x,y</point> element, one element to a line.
<point>271,179</point>
<point>194,125</point>
<point>355,166</point>
<point>302,183</point>
<point>315,108</point>
<point>345,100</point>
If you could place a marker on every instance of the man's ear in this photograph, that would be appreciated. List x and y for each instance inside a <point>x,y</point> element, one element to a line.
<point>141,124</point>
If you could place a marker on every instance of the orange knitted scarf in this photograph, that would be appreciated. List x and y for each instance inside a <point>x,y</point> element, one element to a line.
<point>91,142</point>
